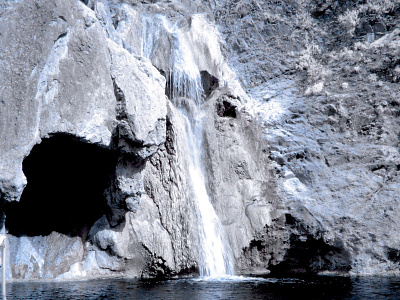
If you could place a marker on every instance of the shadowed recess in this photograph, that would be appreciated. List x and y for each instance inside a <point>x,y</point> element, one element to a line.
<point>309,254</point>
<point>65,190</point>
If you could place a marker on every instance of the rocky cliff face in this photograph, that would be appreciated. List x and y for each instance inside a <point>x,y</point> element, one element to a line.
<point>328,92</point>
<point>300,139</point>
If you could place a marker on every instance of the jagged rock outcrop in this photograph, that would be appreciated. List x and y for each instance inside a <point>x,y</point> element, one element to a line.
<point>61,75</point>
<point>44,58</point>
<point>301,134</point>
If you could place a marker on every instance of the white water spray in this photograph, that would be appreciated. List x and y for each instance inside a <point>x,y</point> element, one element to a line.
<point>215,255</point>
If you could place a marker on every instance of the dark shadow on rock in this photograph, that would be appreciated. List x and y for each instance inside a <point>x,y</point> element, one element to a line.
<point>226,109</point>
<point>393,254</point>
<point>209,82</point>
<point>310,254</point>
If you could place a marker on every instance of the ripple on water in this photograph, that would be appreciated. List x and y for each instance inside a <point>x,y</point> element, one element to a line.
<point>204,288</point>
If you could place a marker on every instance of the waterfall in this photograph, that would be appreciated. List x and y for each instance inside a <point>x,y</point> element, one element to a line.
<point>185,90</point>
<point>183,74</point>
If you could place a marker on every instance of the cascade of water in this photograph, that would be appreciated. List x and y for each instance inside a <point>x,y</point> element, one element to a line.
<point>183,74</point>
<point>215,257</point>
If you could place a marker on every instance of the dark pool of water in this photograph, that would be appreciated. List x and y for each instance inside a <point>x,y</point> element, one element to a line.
<point>322,287</point>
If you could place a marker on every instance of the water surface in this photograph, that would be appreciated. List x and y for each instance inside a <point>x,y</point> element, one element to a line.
<point>321,287</point>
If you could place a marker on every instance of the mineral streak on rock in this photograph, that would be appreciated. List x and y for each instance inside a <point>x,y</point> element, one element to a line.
<point>301,135</point>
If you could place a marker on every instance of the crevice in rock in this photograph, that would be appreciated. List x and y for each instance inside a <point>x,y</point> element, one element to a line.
<point>123,139</point>
<point>62,35</point>
<point>156,267</point>
<point>226,109</point>
<point>169,140</point>
<point>393,254</point>
<point>209,82</point>
<point>121,102</point>
<point>65,191</point>
<point>86,2</point>
<point>115,197</point>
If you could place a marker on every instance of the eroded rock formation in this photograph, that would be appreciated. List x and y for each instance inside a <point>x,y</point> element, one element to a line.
<point>300,138</point>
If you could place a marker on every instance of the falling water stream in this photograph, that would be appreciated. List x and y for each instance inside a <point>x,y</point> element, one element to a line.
<point>185,90</point>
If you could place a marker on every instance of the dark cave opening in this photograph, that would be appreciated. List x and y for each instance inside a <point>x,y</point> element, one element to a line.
<point>65,191</point>
<point>226,109</point>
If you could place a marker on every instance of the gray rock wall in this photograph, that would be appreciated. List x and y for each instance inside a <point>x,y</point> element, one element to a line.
<point>242,181</point>
<point>47,49</point>
<point>62,75</point>
<point>300,141</point>
<point>329,115</point>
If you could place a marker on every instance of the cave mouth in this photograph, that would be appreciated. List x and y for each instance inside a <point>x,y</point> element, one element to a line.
<point>65,191</point>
